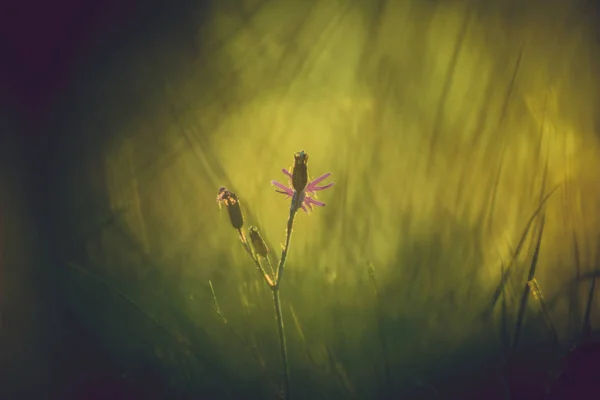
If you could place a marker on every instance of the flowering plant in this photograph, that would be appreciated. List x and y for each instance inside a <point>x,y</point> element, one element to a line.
<point>303,196</point>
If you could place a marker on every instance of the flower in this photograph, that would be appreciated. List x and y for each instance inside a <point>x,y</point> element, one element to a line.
<point>233,207</point>
<point>303,199</point>
<point>300,171</point>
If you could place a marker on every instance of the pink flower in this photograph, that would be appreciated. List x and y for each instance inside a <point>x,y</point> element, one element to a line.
<point>305,199</point>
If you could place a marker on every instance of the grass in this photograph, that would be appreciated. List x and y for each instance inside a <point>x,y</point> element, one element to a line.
<point>330,366</point>
<point>320,358</point>
<point>380,330</point>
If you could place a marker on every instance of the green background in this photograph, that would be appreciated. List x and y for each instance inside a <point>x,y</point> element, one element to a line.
<point>442,123</point>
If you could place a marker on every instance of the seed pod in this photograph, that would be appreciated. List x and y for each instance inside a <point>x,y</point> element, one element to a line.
<point>259,245</point>
<point>300,171</point>
<point>233,207</point>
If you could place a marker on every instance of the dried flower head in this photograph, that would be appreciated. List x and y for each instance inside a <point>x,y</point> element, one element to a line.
<point>300,171</point>
<point>305,198</point>
<point>259,245</point>
<point>233,207</point>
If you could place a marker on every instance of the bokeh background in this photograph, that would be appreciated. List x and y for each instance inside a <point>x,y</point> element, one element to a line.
<point>444,125</point>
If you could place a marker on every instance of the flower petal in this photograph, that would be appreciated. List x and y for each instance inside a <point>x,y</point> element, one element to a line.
<point>285,171</point>
<point>321,178</point>
<point>311,188</point>
<point>281,186</point>
<point>311,201</point>
<point>308,204</point>
<point>287,195</point>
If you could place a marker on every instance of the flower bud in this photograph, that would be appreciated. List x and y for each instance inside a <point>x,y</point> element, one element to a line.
<point>233,207</point>
<point>300,171</point>
<point>259,245</point>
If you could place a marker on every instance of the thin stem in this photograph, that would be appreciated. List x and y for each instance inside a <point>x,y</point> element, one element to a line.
<point>282,343</point>
<point>277,303</point>
<point>284,253</point>
<point>259,266</point>
<point>252,350</point>
<point>380,328</point>
<point>271,269</point>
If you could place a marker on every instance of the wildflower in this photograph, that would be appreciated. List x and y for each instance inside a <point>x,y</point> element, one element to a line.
<point>259,245</point>
<point>233,207</point>
<point>304,198</point>
<point>300,171</point>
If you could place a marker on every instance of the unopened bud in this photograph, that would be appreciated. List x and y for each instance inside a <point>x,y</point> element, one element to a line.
<point>259,245</point>
<point>300,171</point>
<point>233,207</point>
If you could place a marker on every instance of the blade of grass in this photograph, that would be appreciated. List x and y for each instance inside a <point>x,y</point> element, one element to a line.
<point>573,283</point>
<point>587,326</point>
<point>251,349</point>
<point>504,328</point>
<point>586,329</point>
<point>515,255</point>
<point>527,288</point>
<point>298,326</point>
<point>340,373</point>
<point>448,82</point>
<point>300,331</point>
<point>502,145</point>
<point>234,331</point>
<point>574,309</point>
<point>536,292</point>
<point>380,329</point>
<point>191,350</point>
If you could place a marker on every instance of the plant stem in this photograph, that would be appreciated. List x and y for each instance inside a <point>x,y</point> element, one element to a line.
<point>254,258</point>
<point>380,329</point>
<point>252,350</point>
<point>282,343</point>
<point>284,253</point>
<point>277,303</point>
<point>271,269</point>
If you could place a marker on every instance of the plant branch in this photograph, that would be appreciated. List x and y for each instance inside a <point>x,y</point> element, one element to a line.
<point>277,303</point>
<point>254,258</point>
<point>284,252</point>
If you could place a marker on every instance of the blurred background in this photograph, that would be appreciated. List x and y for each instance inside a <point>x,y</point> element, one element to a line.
<point>456,255</point>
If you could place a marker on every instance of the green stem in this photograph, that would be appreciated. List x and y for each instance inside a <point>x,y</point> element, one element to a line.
<point>277,303</point>
<point>282,344</point>
<point>290,225</point>
<point>380,329</point>
<point>271,269</point>
<point>254,258</point>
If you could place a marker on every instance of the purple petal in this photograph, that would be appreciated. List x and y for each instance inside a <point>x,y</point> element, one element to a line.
<point>307,203</point>
<point>287,195</point>
<point>311,201</point>
<point>286,189</point>
<point>285,171</point>
<point>311,188</point>
<point>319,179</point>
